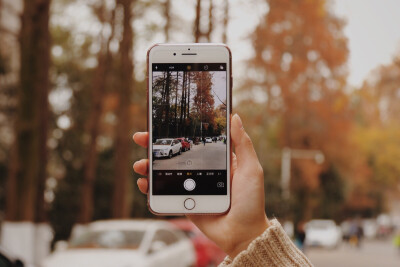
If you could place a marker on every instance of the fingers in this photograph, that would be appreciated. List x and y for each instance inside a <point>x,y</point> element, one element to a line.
<point>141,138</point>
<point>245,153</point>
<point>233,165</point>
<point>143,185</point>
<point>141,166</point>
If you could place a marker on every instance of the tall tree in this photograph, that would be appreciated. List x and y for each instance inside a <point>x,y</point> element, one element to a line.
<point>203,101</point>
<point>93,124</point>
<point>166,104</point>
<point>28,161</point>
<point>197,30</point>
<point>123,128</point>
<point>225,22</point>
<point>167,15</point>
<point>210,21</point>
<point>299,65</point>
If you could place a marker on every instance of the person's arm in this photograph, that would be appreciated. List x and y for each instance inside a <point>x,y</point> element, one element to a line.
<point>272,248</point>
<point>246,220</point>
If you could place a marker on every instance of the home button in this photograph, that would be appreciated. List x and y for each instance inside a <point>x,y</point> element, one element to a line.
<point>189,204</point>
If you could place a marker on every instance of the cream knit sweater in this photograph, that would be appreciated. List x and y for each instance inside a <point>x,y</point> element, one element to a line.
<point>272,248</point>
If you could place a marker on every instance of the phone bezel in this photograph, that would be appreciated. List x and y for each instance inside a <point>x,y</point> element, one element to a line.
<point>205,53</point>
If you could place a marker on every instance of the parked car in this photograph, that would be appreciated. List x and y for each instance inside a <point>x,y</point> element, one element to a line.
<point>130,243</point>
<point>370,228</point>
<point>185,143</point>
<point>208,140</point>
<point>7,260</point>
<point>323,233</point>
<point>166,148</point>
<point>207,253</point>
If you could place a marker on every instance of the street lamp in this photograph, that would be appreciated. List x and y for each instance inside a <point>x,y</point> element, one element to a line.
<point>287,155</point>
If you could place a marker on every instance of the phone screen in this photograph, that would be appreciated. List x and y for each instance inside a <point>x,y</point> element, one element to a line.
<point>189,128</point>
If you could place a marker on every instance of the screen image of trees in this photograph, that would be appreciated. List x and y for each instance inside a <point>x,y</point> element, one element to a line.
<point>189,104</point>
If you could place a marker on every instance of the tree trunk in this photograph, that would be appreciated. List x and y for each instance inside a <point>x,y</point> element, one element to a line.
<point>181,125</point>
<point>197,32</point>
<point>97,96</point>
<point>166,105</point>
<point>167,8</point>
<point>210,21</point>
<point>225,23</point>
<point>188,104</point>
<point>121,207</point>
<point>176,104</point>
<point>28,162</point>
<point>184,106</point>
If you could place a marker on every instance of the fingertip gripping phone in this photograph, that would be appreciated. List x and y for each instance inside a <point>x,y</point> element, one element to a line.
<point>189,106</point>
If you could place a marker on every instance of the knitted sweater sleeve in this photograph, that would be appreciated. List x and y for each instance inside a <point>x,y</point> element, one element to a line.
<point>272,248</point>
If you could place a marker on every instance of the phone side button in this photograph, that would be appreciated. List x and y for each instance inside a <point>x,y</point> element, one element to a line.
<point>189,204</point>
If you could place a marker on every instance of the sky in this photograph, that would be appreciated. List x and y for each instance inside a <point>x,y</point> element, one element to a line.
<point>373,29</point>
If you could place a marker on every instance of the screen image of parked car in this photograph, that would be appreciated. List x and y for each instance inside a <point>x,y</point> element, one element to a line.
<point>208,140</point>
<point>130,243</point>
<point>185,144</point>
<point>166,148</point>
<point>8,260</point>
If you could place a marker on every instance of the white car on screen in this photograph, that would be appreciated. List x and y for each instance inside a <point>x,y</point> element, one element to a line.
<point>128,243</point>
<point>166,147</point>
<point>208,140</point>
<point>323,233</point>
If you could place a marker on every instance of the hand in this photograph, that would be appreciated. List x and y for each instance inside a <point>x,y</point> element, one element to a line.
<point>246,219</point>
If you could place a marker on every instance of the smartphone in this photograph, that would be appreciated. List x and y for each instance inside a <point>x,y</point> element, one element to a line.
<point>189,108</point>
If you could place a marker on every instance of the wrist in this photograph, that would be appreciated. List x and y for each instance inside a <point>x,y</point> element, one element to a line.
<point>257,231</point>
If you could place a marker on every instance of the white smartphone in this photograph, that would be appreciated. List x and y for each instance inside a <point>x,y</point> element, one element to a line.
<point>189,106</point>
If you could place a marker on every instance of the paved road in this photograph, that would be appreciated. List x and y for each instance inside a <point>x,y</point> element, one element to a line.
<point>371,254</point>
<point>212,156</point>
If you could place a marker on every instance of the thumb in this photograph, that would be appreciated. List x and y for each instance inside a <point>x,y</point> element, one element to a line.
<point>245,153</point>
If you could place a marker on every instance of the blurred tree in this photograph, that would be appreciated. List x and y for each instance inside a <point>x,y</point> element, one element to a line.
<point>377,136</point>
<point>167,15</point>
<point>28,160</point>
<point>123,137</point>
<point>210,21</point>
<point>225,22</point>
<point>197,30</point>
<point>106,18</point>
<point>298,75</point>
<point>9,72</point>
<point>199,34</point>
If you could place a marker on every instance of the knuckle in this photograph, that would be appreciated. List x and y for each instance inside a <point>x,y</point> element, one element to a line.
<point>246,140</point>
<point>260,170</point>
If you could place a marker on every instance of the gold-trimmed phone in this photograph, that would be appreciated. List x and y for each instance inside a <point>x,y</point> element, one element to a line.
<point>189,107</point>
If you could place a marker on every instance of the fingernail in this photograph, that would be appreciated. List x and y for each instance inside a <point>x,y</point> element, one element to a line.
<point>239,120</point>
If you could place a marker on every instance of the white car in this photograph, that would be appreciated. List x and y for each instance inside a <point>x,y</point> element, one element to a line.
<point>128,243</point>
<point>323,233</point>
<point>166,148</point>
<point>208,140</point>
